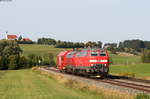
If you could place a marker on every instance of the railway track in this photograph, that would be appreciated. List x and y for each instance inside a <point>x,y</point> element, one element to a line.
<point>133,85</point>
<point>144,86</point>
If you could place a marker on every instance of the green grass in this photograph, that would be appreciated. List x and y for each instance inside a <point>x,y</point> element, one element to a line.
<point>125,59</point>
<point>26,84</point>
<point>138,69</point>
<point>41,50</point>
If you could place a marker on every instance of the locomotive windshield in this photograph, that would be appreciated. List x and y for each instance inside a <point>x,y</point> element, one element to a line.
<point>69,55</point>
<point>102,53</point>
<point>94,53</point>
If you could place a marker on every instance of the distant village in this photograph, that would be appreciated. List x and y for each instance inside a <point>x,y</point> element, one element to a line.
<point>15,37</point>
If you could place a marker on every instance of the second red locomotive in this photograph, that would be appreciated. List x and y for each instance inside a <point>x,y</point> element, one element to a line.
<point>87,61</point>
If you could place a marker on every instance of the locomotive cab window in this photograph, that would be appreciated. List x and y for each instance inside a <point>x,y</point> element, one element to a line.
<point>70,55</point>
<point>81,54</point>
<point>94,53</point>
<point>102,54</point>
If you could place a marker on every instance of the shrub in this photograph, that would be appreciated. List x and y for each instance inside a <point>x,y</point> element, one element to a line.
<point>146,56</point>
<point>23,62</point>
<point>51,61</point>
<point>2,63</point>
<point>13,62</point>
<point>32,60</point>
<point>45,60</point>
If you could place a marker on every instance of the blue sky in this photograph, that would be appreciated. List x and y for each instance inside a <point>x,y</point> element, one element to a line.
<point>77,20</point>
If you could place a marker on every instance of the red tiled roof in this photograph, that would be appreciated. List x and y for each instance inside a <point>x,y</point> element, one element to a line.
<point>26,39</point>
<point>12,37</point>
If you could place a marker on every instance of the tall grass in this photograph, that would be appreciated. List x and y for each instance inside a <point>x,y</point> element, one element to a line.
<point>25,84</point>
<point>85,87</point>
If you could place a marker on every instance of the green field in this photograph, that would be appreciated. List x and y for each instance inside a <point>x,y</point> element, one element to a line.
<point>41,50</point>
<point>125,59</point>
<point>26,84</point>
<point>140,70</point>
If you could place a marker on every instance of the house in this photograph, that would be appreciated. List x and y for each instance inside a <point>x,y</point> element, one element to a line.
<point>26,39</point>
<point>11,37</point>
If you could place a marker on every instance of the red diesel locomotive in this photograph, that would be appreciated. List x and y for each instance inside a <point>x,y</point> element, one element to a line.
<point>87,61</point>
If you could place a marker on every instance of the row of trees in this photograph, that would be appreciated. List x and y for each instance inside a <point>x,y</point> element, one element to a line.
<point>146,56</point>
<point>137,45</point>
<point>65,44</point>
<point>11,57</point>
<point>48,41</point>
<point>130,46</point>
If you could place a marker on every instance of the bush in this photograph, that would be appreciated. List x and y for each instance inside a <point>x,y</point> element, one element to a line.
<point>9,54</point>
<point>2,63</point>
<point>48,60</point>
<point>23,62</point>
<point>146,56</point>
<point>13,62</point>
<point>32,60</point>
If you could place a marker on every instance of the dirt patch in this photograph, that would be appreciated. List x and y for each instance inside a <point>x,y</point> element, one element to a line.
<point>124,54</point>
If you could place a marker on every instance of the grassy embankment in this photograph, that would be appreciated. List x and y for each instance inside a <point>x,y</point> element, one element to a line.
<point>121,64</point>
<point>26,84</point>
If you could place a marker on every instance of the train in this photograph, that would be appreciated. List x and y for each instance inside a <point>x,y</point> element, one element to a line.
<point>86,61</point>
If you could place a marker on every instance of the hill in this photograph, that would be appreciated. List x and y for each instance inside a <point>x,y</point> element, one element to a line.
<point>40,50</point>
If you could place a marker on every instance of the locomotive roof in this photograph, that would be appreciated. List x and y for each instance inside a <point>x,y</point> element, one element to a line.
<point>62,53</point>
<point>86,49</point>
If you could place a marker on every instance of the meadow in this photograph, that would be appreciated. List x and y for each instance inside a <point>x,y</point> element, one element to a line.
<point>116,59</point>
<point>41,50</point>
<point>26,84</point>
<point>138,70</point>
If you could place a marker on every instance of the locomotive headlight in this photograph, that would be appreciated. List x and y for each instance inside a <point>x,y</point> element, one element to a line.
<point>103,60</point>
<point>98,61</point>
<point>93,60</point>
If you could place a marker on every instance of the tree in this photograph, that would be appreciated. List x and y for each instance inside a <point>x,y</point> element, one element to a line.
<point>147,44</point>
<point>137,45</point>
<point>91,44</point>
<point>51,61</point>
<point>48,41</point>
<point>23,62</point>
<point>9,54</point>
<point>99,44</point>
<point>20,38</point>
<point>146,56</point>
<point>13,62</point>
<point>2,63</point>
<point>33,60</point>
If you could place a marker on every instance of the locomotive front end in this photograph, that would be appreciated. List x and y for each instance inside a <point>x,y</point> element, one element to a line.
<point>99,62</point>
